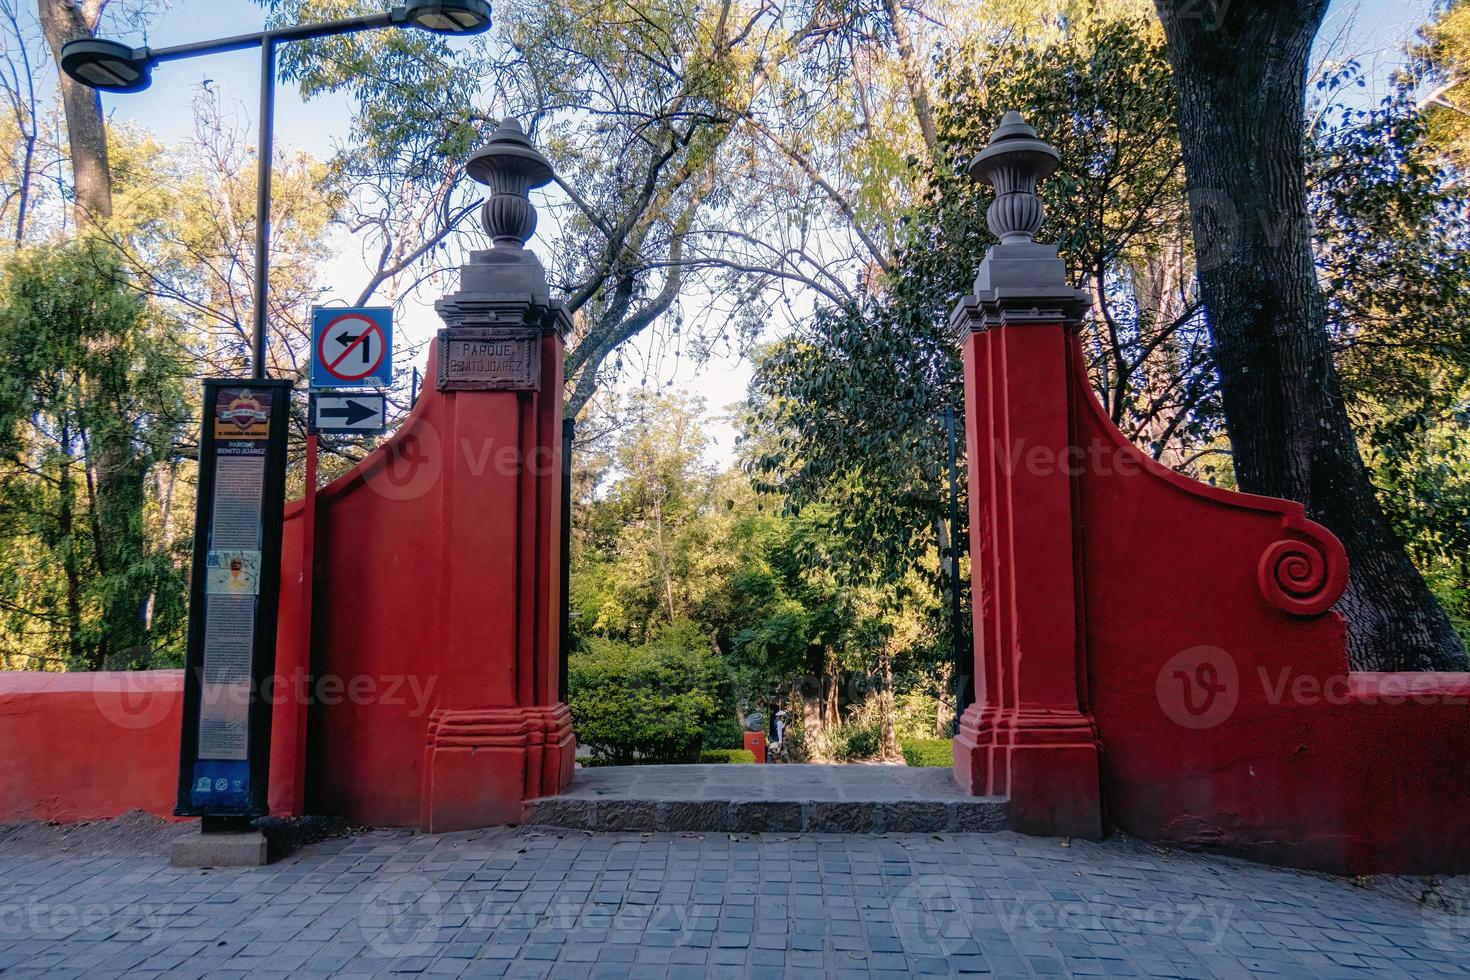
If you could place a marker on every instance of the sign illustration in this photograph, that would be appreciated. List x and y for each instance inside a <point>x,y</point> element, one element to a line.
<point>364,414</point>
<point>351,348</point>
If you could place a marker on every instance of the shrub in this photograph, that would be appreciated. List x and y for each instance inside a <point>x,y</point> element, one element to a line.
<point>916,709</point>
<point>721,756</point>
<point>928,751</point>
<point>723,733</point>
<point>646,704</point>
<point>855,740</point>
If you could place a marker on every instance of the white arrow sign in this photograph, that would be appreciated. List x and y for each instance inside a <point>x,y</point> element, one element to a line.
<point>359,414</point>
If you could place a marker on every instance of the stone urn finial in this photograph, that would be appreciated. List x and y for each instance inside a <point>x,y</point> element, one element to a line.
<point>511,167</point>
<point>1013,162</point>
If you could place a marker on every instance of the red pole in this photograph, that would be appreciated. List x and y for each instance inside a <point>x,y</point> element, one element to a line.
<point>303,668</point>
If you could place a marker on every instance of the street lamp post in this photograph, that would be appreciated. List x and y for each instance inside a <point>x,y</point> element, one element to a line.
<point>115,67</point>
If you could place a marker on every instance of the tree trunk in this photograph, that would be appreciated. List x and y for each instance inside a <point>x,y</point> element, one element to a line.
<point>889,749</point>
<point>62,21</point>
<point>1240,72</point>
<point>913,74</point>
<point>70,565</point>
<point>663,558</point>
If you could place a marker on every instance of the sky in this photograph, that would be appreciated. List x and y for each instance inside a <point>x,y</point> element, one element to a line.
<point>1372,31</point>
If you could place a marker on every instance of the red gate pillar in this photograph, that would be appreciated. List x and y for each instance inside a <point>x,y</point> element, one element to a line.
<point>499,734</point>
<point>1028,736</point>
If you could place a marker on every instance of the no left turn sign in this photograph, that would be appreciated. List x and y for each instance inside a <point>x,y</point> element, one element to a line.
<point>351,347</point>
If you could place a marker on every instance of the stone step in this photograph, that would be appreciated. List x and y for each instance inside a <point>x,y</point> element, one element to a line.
<point>853,799</point>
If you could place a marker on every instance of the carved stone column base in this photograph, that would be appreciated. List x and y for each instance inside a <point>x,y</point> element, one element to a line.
<point>481,765</point>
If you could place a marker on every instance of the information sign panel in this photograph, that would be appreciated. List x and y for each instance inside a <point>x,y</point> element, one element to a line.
<point>224,752</point>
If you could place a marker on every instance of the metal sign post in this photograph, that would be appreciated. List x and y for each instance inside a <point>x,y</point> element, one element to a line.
<point>224,754</point>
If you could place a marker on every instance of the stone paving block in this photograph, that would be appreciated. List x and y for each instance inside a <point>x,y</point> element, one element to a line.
<point>571,903</point>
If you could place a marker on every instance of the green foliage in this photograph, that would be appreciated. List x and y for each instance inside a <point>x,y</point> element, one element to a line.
<point>649,703</point>
<point>724,756</point>
<point>856,740</point>
<point>782,599</point>
<point>848,412</point>
<point>1394,260</point>
<point>916,708</point>
<point>1440,64</point>
<point>851,409</point>
<point>935,752</point>
<point>724,733</point>
<point>91,402</point>
<point>672,539</point>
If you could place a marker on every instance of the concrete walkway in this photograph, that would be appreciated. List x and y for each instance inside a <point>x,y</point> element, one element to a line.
<point>758,799</point>
<point>570,904</point>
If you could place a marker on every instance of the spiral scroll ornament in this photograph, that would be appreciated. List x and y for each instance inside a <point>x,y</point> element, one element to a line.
<point>1300,577</point>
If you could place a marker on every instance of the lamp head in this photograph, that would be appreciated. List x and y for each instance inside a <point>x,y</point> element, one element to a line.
<point>448,16</point>
<point>107,65</point>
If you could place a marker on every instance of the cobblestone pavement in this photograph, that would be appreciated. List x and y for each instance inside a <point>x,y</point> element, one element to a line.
<point>571,904</point>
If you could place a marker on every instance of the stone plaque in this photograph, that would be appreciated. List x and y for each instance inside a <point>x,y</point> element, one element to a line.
<point>489,359</point>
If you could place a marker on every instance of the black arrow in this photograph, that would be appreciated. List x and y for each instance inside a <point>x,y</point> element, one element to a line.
<point>344,338</point>
<point>351,413</point>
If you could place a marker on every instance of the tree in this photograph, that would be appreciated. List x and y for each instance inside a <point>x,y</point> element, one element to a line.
<point>671,547</point>
<point>1440,67</point>
<point>853,404</point>
<point>183,222</point>
<point>628,100</point>
<point>1240,72</point>
<point>90,401</point>
<point>704,147</point>
<point>651,703</point>
<point>1394,260</point>
<point>69,20</point>
<point>22,129</point>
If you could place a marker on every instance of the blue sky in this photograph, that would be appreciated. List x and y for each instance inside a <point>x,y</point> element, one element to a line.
<point>1372,31</point>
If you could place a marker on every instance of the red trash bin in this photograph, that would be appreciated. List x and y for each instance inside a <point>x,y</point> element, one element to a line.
<point>755,744</point>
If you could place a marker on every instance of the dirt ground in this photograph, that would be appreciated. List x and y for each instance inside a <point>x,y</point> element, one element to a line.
<point>137,832</point>
<point>134,832</point>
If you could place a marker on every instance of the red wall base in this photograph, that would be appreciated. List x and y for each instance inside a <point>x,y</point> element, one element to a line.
<point>480,766</point>
<point>1045,764</point>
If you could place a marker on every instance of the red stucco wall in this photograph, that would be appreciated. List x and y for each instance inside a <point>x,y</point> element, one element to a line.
<point>88,745</point>
<point>1219,681</point>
